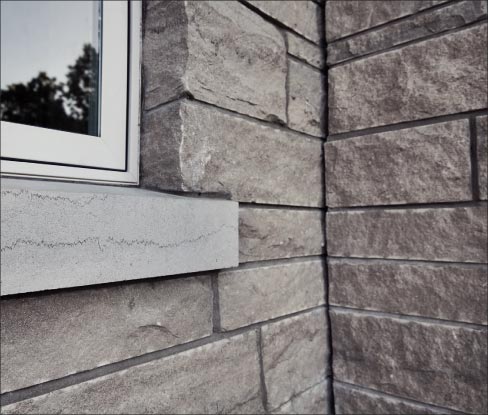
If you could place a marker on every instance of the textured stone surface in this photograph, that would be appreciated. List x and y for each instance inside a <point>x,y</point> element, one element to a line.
<point>279,233</point>
<point>482,149</point>
<point>444,234</point>
<point>313,401</point>
<point>57,235</point>
<point>53,335</point>
<point>191,147</point>
<point>303,16</point>
<point>294,355</point>
<point>352,400</point>
<point>416,27</point>
<point>259,293</point>
<point>306,102</point>
<point>346,17</point>
<point>444,291</point>
<point>444,365</point>
<point>427,79</point>
<point>304,50</point>
<point>218,51</point>
<point>222,377</point>
<point>413,165</point>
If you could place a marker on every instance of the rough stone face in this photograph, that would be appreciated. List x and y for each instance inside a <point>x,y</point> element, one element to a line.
<point>294,355</point>
<point>306,103</point>
<point>221,377</point>
<point>279,233</point>
<point>346,17</point>
<point>416,27</point>
<point>400,166</point>
<point>313,401</point>
<point>304,50</point>
<point>183,41</point>
<point>52,335</point>
<point>444,291</point>
<point>301,16</point>
<point>444,365</point>
<point>253,294</point>
<point>352,400</point>
<point>443,234</point>
<point>427,79</point>
<point>191,147</point>
<point>482,149</point>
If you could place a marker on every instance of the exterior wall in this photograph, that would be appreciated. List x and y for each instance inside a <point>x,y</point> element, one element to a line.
<point>407,213</point>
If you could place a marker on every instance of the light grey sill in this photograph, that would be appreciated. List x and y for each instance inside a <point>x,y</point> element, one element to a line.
<point>58,235</point>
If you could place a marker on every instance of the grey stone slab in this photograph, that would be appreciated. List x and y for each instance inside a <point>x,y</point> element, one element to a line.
<point>218,51</point>
<point>482,156</point>
<point>57,235</point>
<point>279,233</point>
<point>443,365</point>
<point>413,165</point>
<point>220,377</point>
<point>444,291</point>
<point>431,78</point>
<point>302,49</point>
<point>49,336</point>
<point>438,234</point>
<point>303,16</point>
<point>346,17</point>
<point>259,293</point>
<point>306,101</point>
<point>294,356</point>
<point>313,401</point>
<point>192,147</point>
<point>406,30</point>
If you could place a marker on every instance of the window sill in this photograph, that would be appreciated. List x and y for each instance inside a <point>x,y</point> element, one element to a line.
<point>58,235</point>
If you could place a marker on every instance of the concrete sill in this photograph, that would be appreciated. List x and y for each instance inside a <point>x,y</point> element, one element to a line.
<point>58,235</point>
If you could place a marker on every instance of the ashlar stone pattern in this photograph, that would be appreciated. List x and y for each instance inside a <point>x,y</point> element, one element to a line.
<point>482,150</point>
<point>313,401</point>
<point>305,50</point>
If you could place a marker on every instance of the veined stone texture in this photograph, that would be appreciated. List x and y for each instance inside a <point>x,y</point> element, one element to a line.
<point>306,102</point>
<point>294,355</point>
<point>307,51</point>
<point>221,377</point>
<point>70,331</point>
<point>218,51</point>
<point>437,234</point>
<point>279,233</point>
<point>346,17</point>
<point>191,147</point>
<point>443,291</point>
<point>434,77</point>
<point>313,401</point>
<point>482,150</point>
<point>415,27</point>
<point>252,294</point>
<point>440,364</point>
<point>413,165</point>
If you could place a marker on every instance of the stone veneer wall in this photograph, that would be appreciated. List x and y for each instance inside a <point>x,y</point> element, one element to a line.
<point>406,190</point>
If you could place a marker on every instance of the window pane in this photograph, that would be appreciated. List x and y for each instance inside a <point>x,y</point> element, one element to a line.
<point>50,66</point>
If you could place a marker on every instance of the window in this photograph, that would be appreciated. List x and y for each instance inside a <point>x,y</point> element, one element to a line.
<point>69,102</point>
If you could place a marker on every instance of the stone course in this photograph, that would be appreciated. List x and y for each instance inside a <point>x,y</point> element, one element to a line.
<point>313,401</point>
<point>482,150</point>
<point>304,50</point>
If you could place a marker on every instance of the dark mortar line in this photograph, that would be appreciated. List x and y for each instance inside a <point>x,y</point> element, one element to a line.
<point>473,153</point>
<point>410,206</point>
<point>478,22</point>
<point>287,81</point>
<point>191,194</point>
<point>305,63</point>
<point>252,205</point>
<point>381,394</point>
<point>340,309</point>
<point>299,394</point>
<point>262,379</point>
<point>391,261</point>
<point>276,261</point>
<point>215,304</point>
<point>164,104</point>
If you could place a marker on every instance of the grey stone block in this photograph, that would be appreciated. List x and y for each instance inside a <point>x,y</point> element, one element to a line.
<point>482,156</point>
<point>416,27</point>
<point>434,77</point>
<point>221,377</point>
<point>259,293</point>
<point>303,16</point>
<point>444,291</point>
<point>313,401</point>
<point>306,101</point>
<point>191,147</point>
<point>218,51</point>
<point>279,233</point>
<point>443,234</point>
<point>294,355</point>
<point>346,17</point>
<point>49,336</point>
<point>413,165</point>
<point>443,365</point>
<point>300,48</point>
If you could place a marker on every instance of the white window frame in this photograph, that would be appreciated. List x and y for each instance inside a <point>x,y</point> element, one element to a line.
<point>29,151</point>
